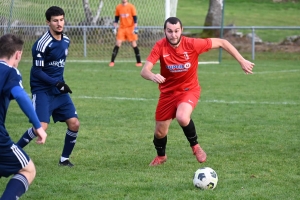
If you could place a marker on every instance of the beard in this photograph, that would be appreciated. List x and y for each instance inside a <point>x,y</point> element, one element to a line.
<point>174,44</point>
<point>58,32</point>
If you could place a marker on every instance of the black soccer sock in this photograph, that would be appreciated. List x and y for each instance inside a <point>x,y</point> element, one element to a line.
<point>137,54</point>
<point>160,145</point>
<point>114,53</point>
<point>190,133</point>
<point>70,141</point>
<point>16,186</point>
<point>26,138</point>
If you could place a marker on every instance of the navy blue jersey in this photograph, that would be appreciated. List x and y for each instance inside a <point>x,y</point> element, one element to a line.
<point>10,77</point>
<point>49,56</point>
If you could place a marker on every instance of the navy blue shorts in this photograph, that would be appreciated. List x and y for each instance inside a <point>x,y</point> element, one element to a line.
<point>12,157</point>
<point>59,106</point>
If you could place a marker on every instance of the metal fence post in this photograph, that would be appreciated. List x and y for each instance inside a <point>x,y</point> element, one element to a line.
<point>84,41</point>
<point>253,43</point>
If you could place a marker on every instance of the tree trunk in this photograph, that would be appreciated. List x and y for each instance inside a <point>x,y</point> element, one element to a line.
<point>213,18</point>
<point>89,18</point>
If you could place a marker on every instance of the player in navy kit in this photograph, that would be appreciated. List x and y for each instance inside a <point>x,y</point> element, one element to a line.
<point>13,160</point>
<point>49,90</point>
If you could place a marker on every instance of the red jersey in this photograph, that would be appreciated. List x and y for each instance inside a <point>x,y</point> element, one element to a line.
<point>179,65</point>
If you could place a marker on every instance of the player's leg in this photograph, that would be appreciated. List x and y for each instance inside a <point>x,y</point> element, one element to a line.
<point>70,141</point>
<point>165,112</point>
<point>160,141</point>
<point>13,160</point>
<point>132,37</point>
<point>119,38</point>
<point>186,105</point>
<point>41,103</point>
<point>65,112</point>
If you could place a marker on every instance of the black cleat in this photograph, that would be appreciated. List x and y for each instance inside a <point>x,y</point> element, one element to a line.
<point>66,163</point>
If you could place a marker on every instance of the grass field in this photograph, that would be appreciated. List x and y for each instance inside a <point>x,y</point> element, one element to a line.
<point>246,13</point>
<point>247,124</point>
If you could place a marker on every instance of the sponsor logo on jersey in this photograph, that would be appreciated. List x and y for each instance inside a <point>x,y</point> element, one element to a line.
<point>60,63</point>
<point>179,67</point>
<point>124,15</point>
<point>187,65</point>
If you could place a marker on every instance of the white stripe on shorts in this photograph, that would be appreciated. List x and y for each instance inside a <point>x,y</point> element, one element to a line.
<point>19,154</point>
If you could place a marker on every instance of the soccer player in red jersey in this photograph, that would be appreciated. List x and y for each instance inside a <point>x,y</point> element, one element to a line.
<point>178,83</point>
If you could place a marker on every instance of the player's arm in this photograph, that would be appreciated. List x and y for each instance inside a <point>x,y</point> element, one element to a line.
<point>116,21</point>
<point>136,30</point>
<point>37,69</point>
<point>246,65</point>
<point>117,17</point>
<point>25,104</point>
<point>37,72</point>
<point>135,20</point>
<point>146,71</point>
<point>147,74</point>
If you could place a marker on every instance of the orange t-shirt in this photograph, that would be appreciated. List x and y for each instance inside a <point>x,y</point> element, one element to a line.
<point>179,65</point>
<point>126,14</point>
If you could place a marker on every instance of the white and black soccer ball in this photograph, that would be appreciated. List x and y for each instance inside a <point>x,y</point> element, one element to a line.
<point>205,178</point>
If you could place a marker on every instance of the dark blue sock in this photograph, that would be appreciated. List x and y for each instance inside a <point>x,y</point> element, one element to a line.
<point>16,186</point>
<point>26,138</point>
<point>70,141</point>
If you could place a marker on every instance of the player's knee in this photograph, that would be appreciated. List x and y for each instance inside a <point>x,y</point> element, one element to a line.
<point>29,172</point>
<point>183,120</point>
<point>160,132</point>
<point>74,124</point>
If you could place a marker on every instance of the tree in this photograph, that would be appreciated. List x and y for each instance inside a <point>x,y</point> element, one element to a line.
<point>89,18</point>
<point>213,18</point>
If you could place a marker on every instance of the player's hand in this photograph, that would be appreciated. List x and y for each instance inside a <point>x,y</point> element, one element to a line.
<point>114,30</point>
<point>136,30</point>
<point>41,136</point>
<point>157,78</point>
<point>63,88</point>
<point>247,66</point>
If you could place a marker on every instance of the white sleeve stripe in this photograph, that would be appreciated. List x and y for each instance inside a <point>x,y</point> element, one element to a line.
<point>39,63</point>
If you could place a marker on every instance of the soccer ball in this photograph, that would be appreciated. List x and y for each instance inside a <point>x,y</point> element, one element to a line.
<point>205,178</point>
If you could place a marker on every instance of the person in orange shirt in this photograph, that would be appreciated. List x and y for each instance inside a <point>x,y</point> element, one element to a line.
<point>178,83</point>
<point>126,13</point>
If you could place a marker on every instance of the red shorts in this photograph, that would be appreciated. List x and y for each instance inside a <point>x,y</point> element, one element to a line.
<point>126,34</point>
<point>168,103</point>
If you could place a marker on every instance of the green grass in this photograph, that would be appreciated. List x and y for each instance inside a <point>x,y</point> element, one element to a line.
<point>247,124</point>
<point>246,13</point>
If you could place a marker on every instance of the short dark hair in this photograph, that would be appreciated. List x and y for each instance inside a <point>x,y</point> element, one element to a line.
<point>172,20</point>
<point>9,44</point>
<point>54,11</point>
